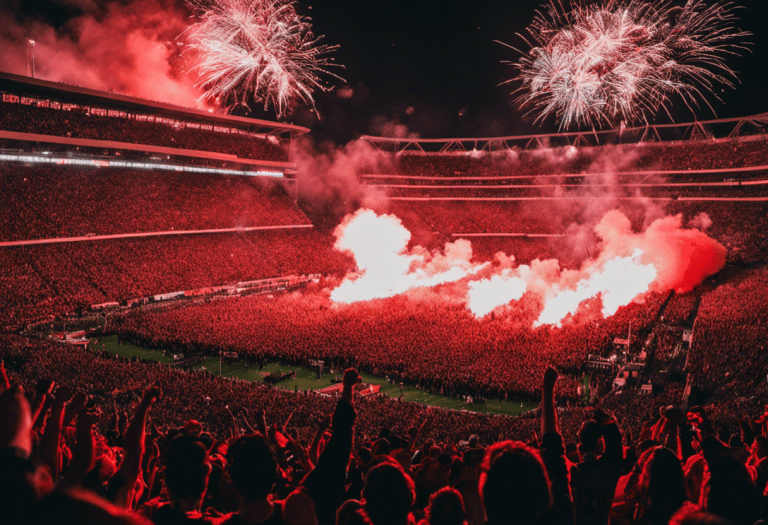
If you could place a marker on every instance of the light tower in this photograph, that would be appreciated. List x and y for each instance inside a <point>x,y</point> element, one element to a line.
<point>31,58</point>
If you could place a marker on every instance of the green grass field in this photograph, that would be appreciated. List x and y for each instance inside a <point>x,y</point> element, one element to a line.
<point>306,379</point>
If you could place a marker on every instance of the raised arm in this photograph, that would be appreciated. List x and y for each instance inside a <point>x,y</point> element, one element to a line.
<point>326,481</point>
<point>134,442</point>
<point>553,451</point>
<point>314,448</point>
<point>83,453</point>
<point>4,383</point>
<point>15,421</point>
<point>244,416</point>
<point>548,412</point>
<point>49,446</point>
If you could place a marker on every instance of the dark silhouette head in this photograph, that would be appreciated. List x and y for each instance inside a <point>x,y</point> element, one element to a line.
<point>252,466</point>
<point>446,507</point>
<point>514,484</point>
<point>186,468</point>
<point>664,485</point>
<point>388,494</point>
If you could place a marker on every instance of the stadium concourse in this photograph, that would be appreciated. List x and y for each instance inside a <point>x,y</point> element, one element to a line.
<point>164,257</point>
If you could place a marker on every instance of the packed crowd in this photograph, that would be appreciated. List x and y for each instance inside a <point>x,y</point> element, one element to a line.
<point>730,337</point>
<point>581,191</point>
<point>687,155</point>
<point>640,177</point>
<point>47,202</point>
<point>432,343</point>
<point>47,280</point>
<point>738,226</point>
<point>101,440</point>
<point>78,124</point>
<point>680,309</point>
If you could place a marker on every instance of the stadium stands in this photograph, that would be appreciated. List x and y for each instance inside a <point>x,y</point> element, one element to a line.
<point>728,355</point>
<point>64,201</point>
<point>77,123</point>
<point>686,155</point>
<point>42,281</point>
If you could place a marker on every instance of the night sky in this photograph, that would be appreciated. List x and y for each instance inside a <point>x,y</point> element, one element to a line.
<point>434,68</point>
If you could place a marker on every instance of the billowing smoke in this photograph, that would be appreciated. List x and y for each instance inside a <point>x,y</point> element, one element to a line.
<point>682,257</point>
<point>385,266</point>
<point>485,295</point>
<point>328,178</point>
<point>124,47</point>
<point>665,256</point>
<point>618,282</point>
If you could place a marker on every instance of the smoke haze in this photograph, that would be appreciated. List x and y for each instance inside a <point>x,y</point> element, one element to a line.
<point>128,48</point>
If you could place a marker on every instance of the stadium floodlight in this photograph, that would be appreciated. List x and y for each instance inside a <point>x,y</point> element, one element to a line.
<point>31,53</point>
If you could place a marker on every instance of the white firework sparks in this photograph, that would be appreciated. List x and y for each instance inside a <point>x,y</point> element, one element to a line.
<point>624,59</point>
<point>259,50</point>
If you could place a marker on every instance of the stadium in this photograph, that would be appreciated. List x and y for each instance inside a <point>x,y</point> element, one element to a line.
<point>505,328</point>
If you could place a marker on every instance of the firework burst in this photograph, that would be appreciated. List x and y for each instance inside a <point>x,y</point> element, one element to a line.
<point>598,63</point>
<point>259,50</point>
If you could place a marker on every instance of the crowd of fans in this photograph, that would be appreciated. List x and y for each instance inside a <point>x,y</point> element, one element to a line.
<point>80,124</point>
<point>687,155</point>
<point>47,280</point>
<point>48,202</point>
<point>730,336</point>
<point>679,309</point>
<point>103,440</point>
<point>738,226</point>
<point>585,191</point>
<point>637,178</point>
<point>434,344</point>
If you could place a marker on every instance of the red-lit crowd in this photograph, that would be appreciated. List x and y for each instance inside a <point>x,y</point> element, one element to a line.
<point>78,124</point>
<point>686,155</point>
<point>43,281</point>
<point>730,338</point>
<point>49,202</point>
<point>87,438</point>
<point>435,344</point>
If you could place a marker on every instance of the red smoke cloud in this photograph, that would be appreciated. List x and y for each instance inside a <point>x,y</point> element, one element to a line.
<point>129,49</point>
<point>665,256</point>
<point>682,257</point>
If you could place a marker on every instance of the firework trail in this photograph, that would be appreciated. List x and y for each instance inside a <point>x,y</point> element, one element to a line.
<point>257,49</point>
<point>624,59</point>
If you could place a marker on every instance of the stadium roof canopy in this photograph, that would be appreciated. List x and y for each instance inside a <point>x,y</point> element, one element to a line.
<point>696,130</point>
<point>33,87</point>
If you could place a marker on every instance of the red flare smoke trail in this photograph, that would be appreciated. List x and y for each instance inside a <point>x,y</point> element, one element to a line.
<point>665,256</point>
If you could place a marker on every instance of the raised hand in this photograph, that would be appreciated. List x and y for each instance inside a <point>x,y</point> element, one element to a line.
<point>351,378</point>
<point>151,395</point>
<point>550,378</point>
<point>63,394</point>
<point>15,420</point>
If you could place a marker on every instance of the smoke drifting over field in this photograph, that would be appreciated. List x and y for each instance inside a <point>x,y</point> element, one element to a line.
<point>328,178</point>
<point>386,267</point>
<point>663,257</point>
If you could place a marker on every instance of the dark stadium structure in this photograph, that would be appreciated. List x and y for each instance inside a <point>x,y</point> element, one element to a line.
<point>179,232</point>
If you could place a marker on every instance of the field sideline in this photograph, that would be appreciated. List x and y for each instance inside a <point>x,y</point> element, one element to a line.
<point>306,379</point>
